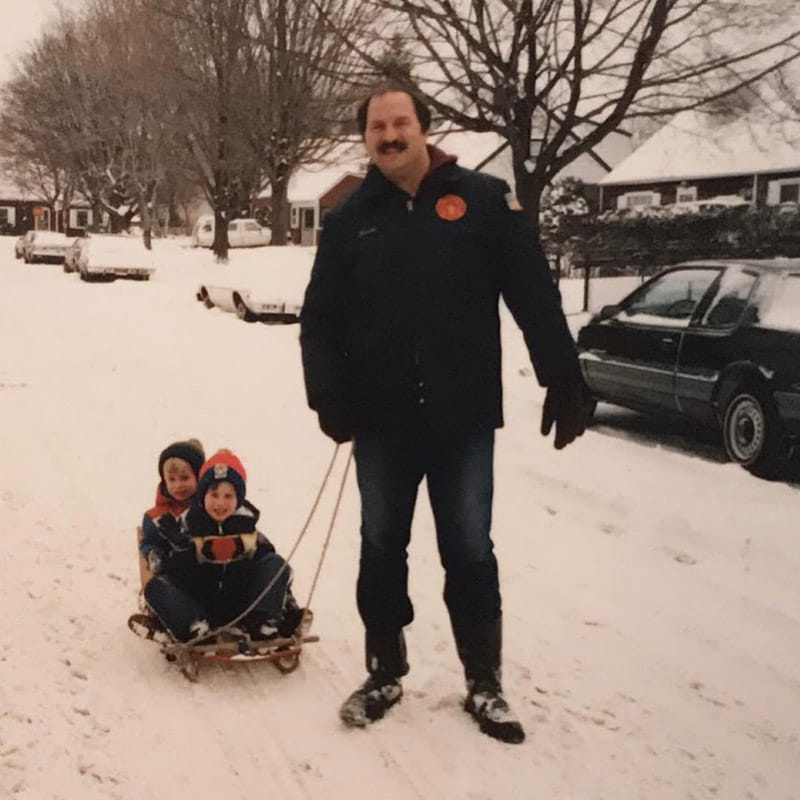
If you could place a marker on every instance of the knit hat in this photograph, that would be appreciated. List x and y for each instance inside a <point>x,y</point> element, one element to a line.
<point>190,451</point>
<point>222,466</point>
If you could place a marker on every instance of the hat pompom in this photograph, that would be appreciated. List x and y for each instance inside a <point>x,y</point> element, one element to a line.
<point>190,451</point>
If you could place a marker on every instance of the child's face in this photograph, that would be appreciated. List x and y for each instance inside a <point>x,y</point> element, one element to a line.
<point>220,501</point>
<point>179,479</point>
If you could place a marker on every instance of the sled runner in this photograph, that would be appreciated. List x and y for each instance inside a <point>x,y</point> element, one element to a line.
<point>284,653</point>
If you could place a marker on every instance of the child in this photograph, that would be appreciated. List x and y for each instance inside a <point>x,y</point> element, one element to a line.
<point>178,468</point>
<point>212,563</point>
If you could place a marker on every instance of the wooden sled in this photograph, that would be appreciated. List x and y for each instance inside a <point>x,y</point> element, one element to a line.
<point>283,653</point>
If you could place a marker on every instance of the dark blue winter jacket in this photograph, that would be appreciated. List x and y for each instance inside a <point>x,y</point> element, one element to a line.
<point>400,322</point>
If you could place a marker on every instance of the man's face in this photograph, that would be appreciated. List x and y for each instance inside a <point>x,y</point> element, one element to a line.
<point>394,138</point>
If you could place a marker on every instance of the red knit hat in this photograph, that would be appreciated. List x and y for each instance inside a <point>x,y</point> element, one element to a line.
<point>222,466</point>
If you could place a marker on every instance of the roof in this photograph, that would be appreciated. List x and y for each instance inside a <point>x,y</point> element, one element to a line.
<point>487,151</point>
<point>699,145</point>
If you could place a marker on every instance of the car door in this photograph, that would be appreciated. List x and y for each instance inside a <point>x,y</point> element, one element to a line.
<point>630,357</point>
<point>712,341</point>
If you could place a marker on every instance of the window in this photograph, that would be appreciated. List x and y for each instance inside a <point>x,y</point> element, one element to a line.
<point>730,299</point>
<point>786,190</point>
<point>252,226</point>
<point>686,194</point>
<point>638,199</point>
<point>293,223</point>
<point>232,226</point>
<point>783,312</point>
<point>4,215</point>
<point>308,217</point>
<point>670,299</point>
<point>82,218</point>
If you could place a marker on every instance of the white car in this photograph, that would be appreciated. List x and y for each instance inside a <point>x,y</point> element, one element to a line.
<point>241,233</point>
<point>264,292</point>
<point>44,246</point>
<point>105,257</point>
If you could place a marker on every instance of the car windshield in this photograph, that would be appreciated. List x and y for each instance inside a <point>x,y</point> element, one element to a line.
<point>669,299</point>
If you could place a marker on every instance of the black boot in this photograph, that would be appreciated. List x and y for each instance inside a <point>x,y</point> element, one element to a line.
<point>479,647</point>
<point>386,664</point>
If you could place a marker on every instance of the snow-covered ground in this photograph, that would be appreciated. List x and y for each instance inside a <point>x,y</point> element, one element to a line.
<point>651,592</point>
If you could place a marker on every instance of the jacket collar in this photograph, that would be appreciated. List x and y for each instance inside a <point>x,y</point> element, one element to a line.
<point>441,169</point>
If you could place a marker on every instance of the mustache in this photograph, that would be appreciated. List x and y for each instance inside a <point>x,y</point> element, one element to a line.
<point>387,147</point>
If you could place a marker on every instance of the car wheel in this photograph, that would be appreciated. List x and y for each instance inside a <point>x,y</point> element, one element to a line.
<point>204,298</point>
<point>242,311</point>
<point>752,432</point>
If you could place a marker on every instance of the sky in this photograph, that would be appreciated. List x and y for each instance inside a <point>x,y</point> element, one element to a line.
<point>22,23</point>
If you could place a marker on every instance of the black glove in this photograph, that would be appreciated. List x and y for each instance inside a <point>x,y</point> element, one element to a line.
<point>569,405</point>
<point>335,424</point>
<point>169,527</point>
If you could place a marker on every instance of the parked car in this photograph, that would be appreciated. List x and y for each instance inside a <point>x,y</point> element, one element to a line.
<point>44,246</point>
<point>270,291</point>
<point>241,233</point>
<point>715,342</point>
<point>19,244</point>
<point>106,257</point>
<point>73,253</point>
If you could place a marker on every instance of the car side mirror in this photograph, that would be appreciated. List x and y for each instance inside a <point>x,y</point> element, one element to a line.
<point>606,312</point>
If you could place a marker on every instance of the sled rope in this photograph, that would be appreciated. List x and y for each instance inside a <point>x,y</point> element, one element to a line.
<point>185,646</point>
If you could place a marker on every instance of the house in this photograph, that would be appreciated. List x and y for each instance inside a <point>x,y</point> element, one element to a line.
<point>20,211</point>
<point>698,156</point>
<point>488,152</point>
<point>314,189</point>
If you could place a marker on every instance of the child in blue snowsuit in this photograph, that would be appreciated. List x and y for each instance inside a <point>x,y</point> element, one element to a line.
<point>212,563</point>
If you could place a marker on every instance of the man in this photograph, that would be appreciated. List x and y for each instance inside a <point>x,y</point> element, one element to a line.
<point>400,335</point>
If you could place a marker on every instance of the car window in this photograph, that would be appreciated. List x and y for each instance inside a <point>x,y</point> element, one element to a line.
<point>730,299</point>
<point>231,226</point>
<point>783,312</point>
<point>669,299</point>
<point>207,227</point>
<point>252,226</point>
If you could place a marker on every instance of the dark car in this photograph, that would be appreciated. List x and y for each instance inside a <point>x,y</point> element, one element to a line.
<point>715,342</point>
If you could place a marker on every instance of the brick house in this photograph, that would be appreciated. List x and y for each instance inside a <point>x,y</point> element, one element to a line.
<point>698,156</point>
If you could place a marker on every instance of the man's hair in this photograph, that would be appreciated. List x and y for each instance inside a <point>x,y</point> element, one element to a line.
<point>422,111</point>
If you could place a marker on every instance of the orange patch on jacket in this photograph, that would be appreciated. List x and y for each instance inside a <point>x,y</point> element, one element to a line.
<point>451,207</point>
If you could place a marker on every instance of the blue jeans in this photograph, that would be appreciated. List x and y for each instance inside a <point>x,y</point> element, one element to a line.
<point>459,473</point>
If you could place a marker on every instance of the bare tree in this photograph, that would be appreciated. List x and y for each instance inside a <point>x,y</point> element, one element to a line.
<point>302,89</point>
<point>554,77</point>
<point>212,68</point>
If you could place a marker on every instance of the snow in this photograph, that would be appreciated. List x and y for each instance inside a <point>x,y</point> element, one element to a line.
<point>651,599</point>
<point>697,145</point>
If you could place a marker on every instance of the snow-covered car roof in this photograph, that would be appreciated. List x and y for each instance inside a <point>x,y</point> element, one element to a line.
<point>50,237</point>
<point>113,250</point>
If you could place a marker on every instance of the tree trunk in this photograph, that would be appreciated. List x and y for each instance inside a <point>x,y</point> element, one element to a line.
<point>279,207</point>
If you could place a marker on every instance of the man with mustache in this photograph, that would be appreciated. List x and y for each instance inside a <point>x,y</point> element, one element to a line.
<point>400,335</point>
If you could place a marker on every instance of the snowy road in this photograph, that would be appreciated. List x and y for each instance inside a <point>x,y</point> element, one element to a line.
<point>651,592</point>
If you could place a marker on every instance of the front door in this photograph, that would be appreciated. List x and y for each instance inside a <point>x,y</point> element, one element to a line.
<point>307,226</point>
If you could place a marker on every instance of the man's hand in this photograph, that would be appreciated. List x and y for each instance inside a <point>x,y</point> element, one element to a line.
<point>569,405</point>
